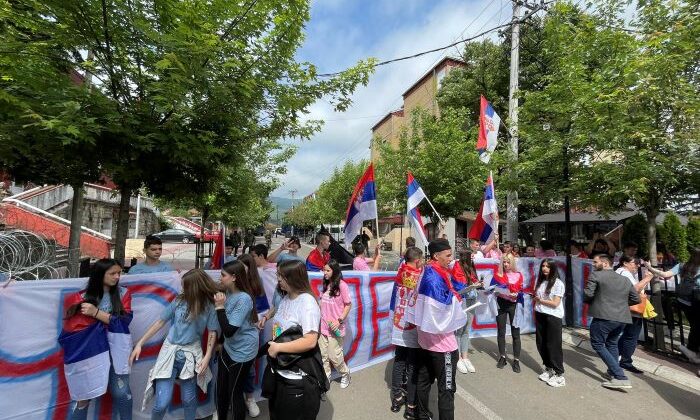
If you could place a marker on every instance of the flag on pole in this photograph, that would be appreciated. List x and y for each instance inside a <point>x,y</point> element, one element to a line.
<point>489,122</point>
<point>415,196</point>
<point>486,223</point>
<point>219,258</point>
<point>362,205</point>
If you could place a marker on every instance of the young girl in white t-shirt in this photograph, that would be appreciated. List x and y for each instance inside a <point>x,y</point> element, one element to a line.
<point>549,311</point>
<point>296,395</point>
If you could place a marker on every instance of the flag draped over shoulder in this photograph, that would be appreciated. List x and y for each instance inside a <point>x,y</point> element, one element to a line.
<point>218,258</point>
<point>362,205</point>
<point>437,308</point>
<point>89,345</point>
<point>415,196</point>
<point>489,122</point>
<point>486,223</point>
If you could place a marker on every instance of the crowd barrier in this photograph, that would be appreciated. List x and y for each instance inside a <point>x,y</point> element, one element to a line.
<point>32,383</point>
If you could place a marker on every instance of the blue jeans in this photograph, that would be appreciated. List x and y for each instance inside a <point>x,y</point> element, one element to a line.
<point>628,341</point>
<point>604,337</point>
<point>164,393</point>
<point>122,401</point>
<point>463,332</point>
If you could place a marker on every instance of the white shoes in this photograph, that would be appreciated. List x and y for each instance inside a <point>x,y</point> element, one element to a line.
<point>465,366</point>
<point>546,375</point>
<point>345,381</point>
<point>556,381</point>
<point>691,355</point>
<point>252,406</point>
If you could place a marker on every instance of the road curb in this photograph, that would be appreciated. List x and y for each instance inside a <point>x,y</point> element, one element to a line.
<point>581,341</point>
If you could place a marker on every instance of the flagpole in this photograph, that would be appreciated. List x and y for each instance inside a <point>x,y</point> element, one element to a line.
<point>436,212</point>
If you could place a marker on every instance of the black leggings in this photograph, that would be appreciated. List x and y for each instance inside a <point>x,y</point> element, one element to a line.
<point>229,386</point>
<point>507,308</point>
<point>403,374</point>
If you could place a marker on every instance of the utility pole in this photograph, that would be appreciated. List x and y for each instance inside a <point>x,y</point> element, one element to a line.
<point>512,198</point>
<point>293,193</point>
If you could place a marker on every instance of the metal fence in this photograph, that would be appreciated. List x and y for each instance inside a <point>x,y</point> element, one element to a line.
<point>670,327</point>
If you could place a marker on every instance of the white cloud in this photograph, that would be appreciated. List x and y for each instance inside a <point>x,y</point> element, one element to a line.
<point>346,136</point>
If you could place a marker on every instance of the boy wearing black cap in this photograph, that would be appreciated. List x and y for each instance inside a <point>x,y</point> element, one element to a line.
<point>437,314</point>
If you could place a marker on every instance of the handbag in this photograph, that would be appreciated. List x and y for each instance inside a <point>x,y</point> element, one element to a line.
<point>639,308</point>
<point>649,311</point>
<point>284,360</point>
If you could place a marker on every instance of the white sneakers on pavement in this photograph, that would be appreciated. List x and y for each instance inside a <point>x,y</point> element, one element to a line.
<point>252,406</point>
<point>465,366</point>
<point>691,355</point>
<point>546,375</point>
<point>556,381</point>
<point>345,381</point>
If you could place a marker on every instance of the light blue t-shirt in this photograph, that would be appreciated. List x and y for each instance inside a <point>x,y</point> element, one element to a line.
<point>183,330</point>
<point>289,257</point>
<point>243,345</point>
<point>276,299</point>
<point>105,304</point>
<point>143,268</point>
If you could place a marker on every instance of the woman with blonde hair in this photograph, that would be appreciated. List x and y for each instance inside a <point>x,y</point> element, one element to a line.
<point>510,286</point>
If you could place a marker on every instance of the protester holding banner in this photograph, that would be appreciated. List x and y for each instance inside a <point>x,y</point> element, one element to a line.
<point>404,336</point>
<point>549,311</point>
<point>335,307</point>
<point>464,365</point>
<point>237,318</point>
<point>181,356</point>
<point>437,314</point>
<point>510,287</point>
<point>97,325</point>
<point>294,368</point>
<point>362,263</point>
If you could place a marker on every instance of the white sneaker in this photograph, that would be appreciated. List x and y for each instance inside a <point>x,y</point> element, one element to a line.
<point>691,355</point>
<point>252,406</point>
<point>546,375</point>
<point>462,366</point>
<point>470,366</point>
<point>345,381</point>
<point>556,381</point>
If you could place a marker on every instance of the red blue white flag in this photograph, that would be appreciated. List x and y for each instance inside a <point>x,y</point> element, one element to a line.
<point>489,122</point>
<point>362,206</point>
<point>415,196</point>
<point>486,223</point>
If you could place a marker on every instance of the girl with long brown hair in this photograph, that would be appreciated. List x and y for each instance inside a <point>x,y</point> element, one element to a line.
<point>237,318</point>
<point>181,355</point>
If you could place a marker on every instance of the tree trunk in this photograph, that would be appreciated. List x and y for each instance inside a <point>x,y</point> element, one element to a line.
<point>76,222</point>
<point>651,234</point>
<point>200,254</point>
<point>122,225</point>
<point>657,325</point>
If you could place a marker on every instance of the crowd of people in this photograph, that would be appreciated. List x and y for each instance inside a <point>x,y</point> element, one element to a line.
<point>433,303</point>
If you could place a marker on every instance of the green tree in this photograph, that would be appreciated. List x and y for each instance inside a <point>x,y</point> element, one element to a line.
<point>693,233</point>
<point>635,230</point>
<point>623,103</point>
<point>676,243</point>
<point>186,86</point>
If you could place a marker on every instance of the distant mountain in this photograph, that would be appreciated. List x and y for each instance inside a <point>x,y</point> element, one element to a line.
<point>282,204</point>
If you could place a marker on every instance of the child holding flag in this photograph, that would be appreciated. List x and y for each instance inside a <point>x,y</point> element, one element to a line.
<point>335,307</point>
<point>92,360</point>
<point>404,335</point>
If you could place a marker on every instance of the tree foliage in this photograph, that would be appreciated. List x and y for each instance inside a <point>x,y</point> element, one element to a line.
<point>187,95</point>
<point>675,237</point>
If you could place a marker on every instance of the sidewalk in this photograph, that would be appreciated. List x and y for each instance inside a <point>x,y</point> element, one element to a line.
<point>674,370</point>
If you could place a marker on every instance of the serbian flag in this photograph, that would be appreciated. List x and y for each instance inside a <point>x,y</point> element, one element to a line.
<point>90,347</point>
<point>489,122</point>
<point>438,307</point>
<point>217,260</point>
<point>415,196</point>
<point>362,206</point>
<point>486,223</point>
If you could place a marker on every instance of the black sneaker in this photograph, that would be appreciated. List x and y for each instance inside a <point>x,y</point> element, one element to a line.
<point>516,366</point>
<point>397,403</point>
<point>632,368</point>
<point>501,362</point>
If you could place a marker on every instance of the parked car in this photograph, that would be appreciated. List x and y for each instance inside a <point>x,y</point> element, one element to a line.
<point>175,235</point>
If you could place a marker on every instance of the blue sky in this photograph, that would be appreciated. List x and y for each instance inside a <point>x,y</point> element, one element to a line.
<point>342,32</point>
